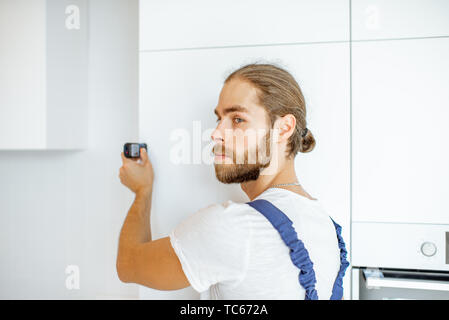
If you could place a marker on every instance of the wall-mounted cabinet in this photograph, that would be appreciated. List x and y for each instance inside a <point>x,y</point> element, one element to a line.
<point>391,19</point>
<point>400,114</point>
<point>43,78</point>
<point>177,24</point>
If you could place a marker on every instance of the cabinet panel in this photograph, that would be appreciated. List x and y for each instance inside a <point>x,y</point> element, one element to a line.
<point>22,75</point>
<point>67,60</point>
<point>400,131</point>
<point>178,93</point>
<point>382,19</point>
<point>43,78</point>
<point>204,23</point>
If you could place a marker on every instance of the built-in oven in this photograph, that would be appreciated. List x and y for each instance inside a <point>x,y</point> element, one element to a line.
<point>399,284</point>
<point>400,261</point>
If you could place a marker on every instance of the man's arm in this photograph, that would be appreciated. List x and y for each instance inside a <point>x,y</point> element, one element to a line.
<point>140,259</point>
<point>136,230</point>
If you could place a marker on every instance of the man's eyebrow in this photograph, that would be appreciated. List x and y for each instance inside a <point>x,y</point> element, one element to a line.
<point>234,108</point>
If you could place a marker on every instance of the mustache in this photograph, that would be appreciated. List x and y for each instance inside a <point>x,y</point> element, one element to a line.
<point>219,149</point>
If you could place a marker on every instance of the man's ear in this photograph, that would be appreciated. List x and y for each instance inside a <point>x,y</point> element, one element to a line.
<point>286,126</point>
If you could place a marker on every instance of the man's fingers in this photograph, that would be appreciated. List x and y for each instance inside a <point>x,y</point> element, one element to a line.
<point>125,159</point>
<point>143,155</point>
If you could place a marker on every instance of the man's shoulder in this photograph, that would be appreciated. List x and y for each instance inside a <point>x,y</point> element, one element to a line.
<point>217,222</point>
<point>228,207</point>
<point>229,212</point>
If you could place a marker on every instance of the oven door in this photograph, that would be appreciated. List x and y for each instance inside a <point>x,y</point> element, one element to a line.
<point>395,284</point>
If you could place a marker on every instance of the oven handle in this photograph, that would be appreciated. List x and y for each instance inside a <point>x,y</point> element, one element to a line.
<point>375,281</point>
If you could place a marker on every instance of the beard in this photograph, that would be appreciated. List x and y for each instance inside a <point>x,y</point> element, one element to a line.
<point>241,172</point>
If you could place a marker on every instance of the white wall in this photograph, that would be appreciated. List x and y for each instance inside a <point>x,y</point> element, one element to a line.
<point>62,208</point>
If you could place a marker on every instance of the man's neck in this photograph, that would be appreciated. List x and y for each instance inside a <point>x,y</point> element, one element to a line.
<point>285,174</point>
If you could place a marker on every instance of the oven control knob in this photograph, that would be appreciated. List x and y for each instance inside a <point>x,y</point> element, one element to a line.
<point>428,249</point>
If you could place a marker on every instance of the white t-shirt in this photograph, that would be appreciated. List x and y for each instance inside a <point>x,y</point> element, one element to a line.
<point>232,251</point>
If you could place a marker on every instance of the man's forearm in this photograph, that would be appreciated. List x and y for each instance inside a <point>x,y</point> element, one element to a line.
<point>136,228</point>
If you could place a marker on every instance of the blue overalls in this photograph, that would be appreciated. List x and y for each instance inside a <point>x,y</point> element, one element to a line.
<point>298,253</point>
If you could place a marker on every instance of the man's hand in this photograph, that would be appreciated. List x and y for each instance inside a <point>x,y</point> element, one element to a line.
<point>138,177</point>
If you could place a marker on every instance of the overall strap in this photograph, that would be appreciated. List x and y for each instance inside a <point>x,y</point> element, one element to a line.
<point>337,290</point>
<point>298,253</point>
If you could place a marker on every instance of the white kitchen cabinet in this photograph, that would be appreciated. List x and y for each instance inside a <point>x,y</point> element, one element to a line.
<point>178,93</point>
<point>43,78</point>
<point>400,131</point>
<point>204,23</point>
<point>386,19</point>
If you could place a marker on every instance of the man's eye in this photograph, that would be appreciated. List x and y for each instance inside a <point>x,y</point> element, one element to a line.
<point>239,119</point>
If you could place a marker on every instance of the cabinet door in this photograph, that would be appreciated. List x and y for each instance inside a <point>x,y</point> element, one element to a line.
<point>22,74</point>
<point>386,19</point>
<point>205,23</point>
<point>178,93</point>
<point>400,131</point>
<point>43,74</point>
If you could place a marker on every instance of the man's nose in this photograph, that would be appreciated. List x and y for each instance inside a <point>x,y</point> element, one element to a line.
<point>218,134</point>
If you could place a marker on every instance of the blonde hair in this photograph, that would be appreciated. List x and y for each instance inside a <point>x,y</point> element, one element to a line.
<point>280,94</point>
